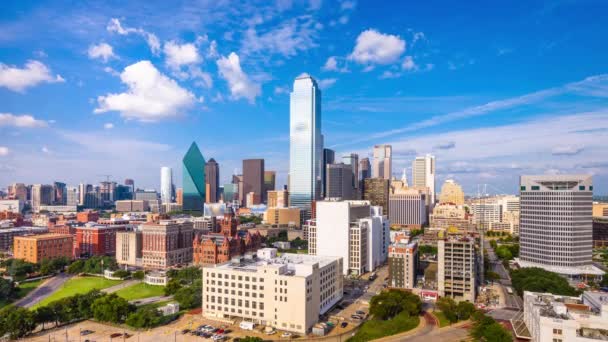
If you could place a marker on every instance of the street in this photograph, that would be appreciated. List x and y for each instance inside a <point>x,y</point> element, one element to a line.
<point>512,300</point>
<point>43,291</point>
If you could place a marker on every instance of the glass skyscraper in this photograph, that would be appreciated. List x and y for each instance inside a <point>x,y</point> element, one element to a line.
<point>166,184</point>
<point>305,144</point>
<point>193,179</point>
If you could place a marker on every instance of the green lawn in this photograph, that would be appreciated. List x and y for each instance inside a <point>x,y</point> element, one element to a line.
<point>140,290</point>
<point>22,291</point>
<point>78,285</point>
<point>374,329</point>
<point>443,321</point>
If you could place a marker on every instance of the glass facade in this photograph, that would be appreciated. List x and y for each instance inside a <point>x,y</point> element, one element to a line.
<point>305,144</point>
<point>166,184</point>
<point>231,192</point>
<point>193,179</point>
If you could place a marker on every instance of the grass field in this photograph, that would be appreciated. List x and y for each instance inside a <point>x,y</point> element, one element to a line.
<point>374,329</point>
<point>141,290</point>
<point>443,321</point>
<point>22,291</point>
<point>78,285</point>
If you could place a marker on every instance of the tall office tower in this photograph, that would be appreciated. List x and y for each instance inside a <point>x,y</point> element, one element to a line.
<point>451,192</point>
<point>59,193</point>
<point>407,209</point>
<point>329,157</point>
<point>305,144</point>
<point>423,174</point>
<point>556,224</point>
<point>106,191</point>
<point>340,182</point>
<point>457,268</point>
<point>270,179</point>
<point>83,189</point>
<point>131,183</point>
<point>238,180</point>
<point>353,160</point>
<point>253,179</point>
<point>71,196</point>
<point>365,172</point>
<point>193,174</point>
<point>179,196</point>
<point>402,265</point>
<point>18,191</point>
<point>42,195</point>
<point>123,192</point>
<point>212,181</point>
<point>377,191</point>
<point>231,192</point>
<point>166,184</point>
<point>383,161</point>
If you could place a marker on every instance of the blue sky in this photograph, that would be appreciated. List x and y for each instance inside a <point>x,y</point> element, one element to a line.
<point>122,88</point>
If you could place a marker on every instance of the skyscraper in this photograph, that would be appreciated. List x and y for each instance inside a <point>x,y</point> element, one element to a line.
<point>423,174</point>
<point>60,193</point>
<point>212,179</point>
<point>41,195</point>
<point>305,144</point>
<point>193,173</point>
<point>383,161</point>
<point>18,191</point>
<point>340,182</point>
<point>365,172</point>
<point>270,178</point>
<point>329,157</point>
<point>353,161</point>
<point>253,178</point>
<point>166,184</point>
<point>556,224</point>
<point>377,191</point>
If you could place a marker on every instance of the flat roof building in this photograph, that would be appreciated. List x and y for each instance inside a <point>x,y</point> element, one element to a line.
<point>35,248</point>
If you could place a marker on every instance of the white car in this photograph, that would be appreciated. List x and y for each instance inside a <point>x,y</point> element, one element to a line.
<point>286,335</point>
<point>218,337</point>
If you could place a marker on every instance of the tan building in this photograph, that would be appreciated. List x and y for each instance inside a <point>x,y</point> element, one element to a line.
<point>457,268</point>
<point>376,192</point>
<point>166,244</point>
<point>278,199</point>
<point>402,265</point>
<point>600,209</point>
<point>289,292</point>
<point>35,248</point>
<point>132,206</point>
<point>451,192</point>
<point>283,217</point>
<point>129,248</point>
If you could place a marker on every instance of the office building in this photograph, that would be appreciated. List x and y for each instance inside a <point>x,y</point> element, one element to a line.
<point>35,248</point>
<point>41,195</point>
<point>179,196</point>
<point>305,144</point>
<point>451,192</point>
<point>7,235</point>
<point>340,182</point>
<point>166,184</point>
<point>60,196</point>
<point>107,193</point>
<point>18,191</point>
<point>132,206</point>
<point>270,179</point>
<point>166,244</point>
<point>129,245</point>
<point>283,217</point>
<point>556,318</point>
<point>556,224</point>
<point>212,181</point>
<point>72,196</point>
<point>231,192</point>
<point>407,209</point>
<point>87,216</point>
<point>193,173</point>
<point>83,189</point>
<point>253,180</point>
<point>353,230</point>
<point>600,210</point>
<point>600,232</point>
<point>376,191</point>
<point>457,268</point>
<point>94,239</point>
<point>383,162</point>
<point>278,199</point>
<point>353,161</point>
<point>486,211</point>
<point>402,265</point>
<point>423,175</point>
<point>264,289</point>
<point>329,157</point>
<point>11,205</point>
<point>365,172</point>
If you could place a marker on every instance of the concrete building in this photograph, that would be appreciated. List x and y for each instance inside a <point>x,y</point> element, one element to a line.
<point>376,191</point>
<point>129,245</point>
<point>329,157</point>
<point>407,209</point>
<point>352,160</point>
<point>365,172</point>
<point>451,192</point>
<point>305,144</point>
<point>96,239</point>
<point>7,235</point>
<point>278,199</point>
<point>402,265</point>
<point>13,206</point>
<point>41,195</point>
<point>457,268</point>
<point>423,174</point>
<point>340,182</point>
<point>600,232</point>
<point>18,191</point>
<point>57,208</point>
<point>556,224</point>
<point>252,199</point>
<point>383,162</point>
<point>166,185</point>
<point>556,318</point>
<point>353,230</point>
<point>486,211</point>
<point>35,248</point>
<point>283,217</point>
<point>253,180</point>
<point>166,244</point>
<point>289,292</point>
<point>72,196</point>
<point>600,209</point>
<point>270,179</point>
<point>132,206</point>
<point>212,181</point>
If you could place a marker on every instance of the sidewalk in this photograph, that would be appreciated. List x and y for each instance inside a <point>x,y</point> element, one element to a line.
<point>121,286</point>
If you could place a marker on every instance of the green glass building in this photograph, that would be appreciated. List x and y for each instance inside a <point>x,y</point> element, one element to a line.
<point>193,179</point>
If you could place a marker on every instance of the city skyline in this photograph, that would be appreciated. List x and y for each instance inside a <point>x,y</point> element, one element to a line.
<point>514,106</point>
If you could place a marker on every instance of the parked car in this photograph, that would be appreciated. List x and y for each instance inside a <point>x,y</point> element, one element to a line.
<point>286,335</point>
<point>185,331</point>
<point>359,312</point>
<point>115,335</point>
<point>344,324</point>
<point>86,332</point>
<point>356,317</point>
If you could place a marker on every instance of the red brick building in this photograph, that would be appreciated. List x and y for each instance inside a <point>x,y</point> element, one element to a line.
<point>87,216</point>
<point>96,239</point>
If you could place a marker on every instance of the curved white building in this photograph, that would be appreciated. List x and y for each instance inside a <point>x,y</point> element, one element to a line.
<point>166,184</point>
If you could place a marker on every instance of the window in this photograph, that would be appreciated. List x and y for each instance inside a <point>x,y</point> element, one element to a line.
<point>522,188</point>
<point>581,187</point>
<point>535,187</point>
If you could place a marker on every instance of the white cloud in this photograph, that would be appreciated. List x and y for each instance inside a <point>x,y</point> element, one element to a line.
<point>212,52</point>
<point>180,54</point>
<point>102,51</point>
<point>289,37</point>
<point>45,149</point>
<point>343,20</point>
<point>326,83</point>
<point>204,78</point>
<point>239,83</point>
<point>418,36</point>
<point>24,121</point>
<point>373,47</point>
<point>153,42</point>
<point>408,64</point>
<point>332,64</point>
<point>111,71</point>
<point>315,4</point>
<point>18,79</point>
<point>3,151</point>
<point>347,5</point>
<point>151,96</point>
<point>108,125</point>
<point>281,90</point>
<point>566,150</point>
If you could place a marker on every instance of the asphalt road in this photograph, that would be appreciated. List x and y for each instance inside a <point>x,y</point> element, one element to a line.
<point>512,300</point>
<point>41,292</point>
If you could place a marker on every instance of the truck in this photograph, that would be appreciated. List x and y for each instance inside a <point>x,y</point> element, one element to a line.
<point>247,325</point>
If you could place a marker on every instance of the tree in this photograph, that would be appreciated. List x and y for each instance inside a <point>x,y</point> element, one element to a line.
<point>139,275</point>
<point>190,297</point>
<point>19,269</point>
<point>43,314</point>
<point>76,267</point>
<point>122,274</point>
<point>388,304</point>
<point>145,317</point>
<point>539,280</point>
<point>172,287</point>
<point>17,322</point>
<point>449,307</point>
<point>464,310</point>
<point>251,339</point>
<point>427,249</point>
<point>111,308</point>
<point>7,288</point>
<point>485,328</point>
<point>492,276</point>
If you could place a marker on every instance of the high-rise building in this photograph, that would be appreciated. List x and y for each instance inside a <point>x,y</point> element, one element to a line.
<point>106,192</point>
<point>376,192</point>
<point>71,196</point>
<point>83,189</point>
<point>365,172</point>
<point>451,192</point>
<point>130,183</point>
<point>253,178</point>
<point>556,224</point>
<point>270,179</point>
<point>179,196</point>
<point>353,161</point>
<point>457,268</point>
<point>212,181</point>
<point>231,192</point>
<point>423,174</point>
<point>18,191</point>
<point>282,217</point>
<point>193,173</point>
<point>407,208</point>
<point>278,199</point>
<point>60,196</point>
<point>305,144</point>
<point>41,195</point>
<point>329,157</point>
<point>166,184</point>
<point>340,182</point>
<point>383,162</point>
<point>402,265</point>
<point>167,243</point>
